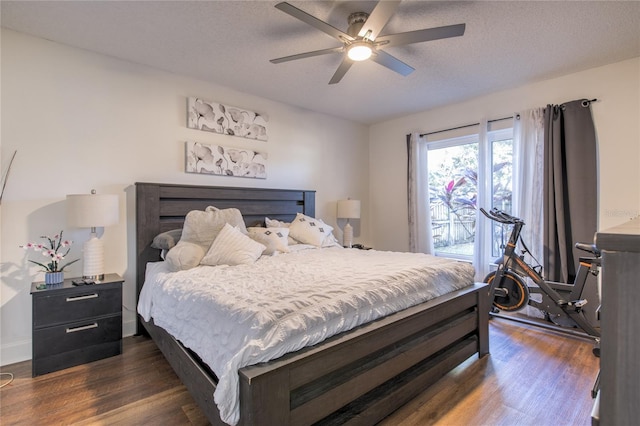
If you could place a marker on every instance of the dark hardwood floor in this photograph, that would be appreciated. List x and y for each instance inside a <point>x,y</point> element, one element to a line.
<point>532,377</point>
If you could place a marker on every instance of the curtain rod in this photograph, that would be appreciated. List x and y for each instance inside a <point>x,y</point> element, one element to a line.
<point>446,130</point>
<point>517,117</point>
<point>585,103</point>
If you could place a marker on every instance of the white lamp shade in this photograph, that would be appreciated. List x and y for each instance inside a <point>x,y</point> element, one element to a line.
<point>349,209</point>
<point>92,210</point>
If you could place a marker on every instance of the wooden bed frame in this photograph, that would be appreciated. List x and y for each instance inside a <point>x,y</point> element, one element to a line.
<point>357,377</point>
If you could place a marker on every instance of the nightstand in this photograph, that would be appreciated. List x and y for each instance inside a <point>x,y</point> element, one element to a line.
<point>74,325</point>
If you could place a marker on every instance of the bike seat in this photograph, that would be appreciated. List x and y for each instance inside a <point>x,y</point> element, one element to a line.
<point>591,248</point>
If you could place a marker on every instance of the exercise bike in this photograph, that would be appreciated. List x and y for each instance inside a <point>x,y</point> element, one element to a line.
<point>561,303</point>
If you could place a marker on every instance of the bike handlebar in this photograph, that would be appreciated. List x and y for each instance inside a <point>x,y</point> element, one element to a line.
<point>500,216</point>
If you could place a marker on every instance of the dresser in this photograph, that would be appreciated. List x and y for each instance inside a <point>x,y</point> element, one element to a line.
<point>619,399</point>
<point>74,325</point>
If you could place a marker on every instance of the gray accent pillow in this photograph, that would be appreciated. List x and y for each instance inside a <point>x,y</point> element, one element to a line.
<point>166,240</point>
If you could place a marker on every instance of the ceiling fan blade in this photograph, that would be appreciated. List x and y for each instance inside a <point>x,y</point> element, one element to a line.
<point>313,21</point>
<point>342,70</point>
<point>307,55</point>
<point>421,35</point>
<point>393,63</point>
<point>378,18</point>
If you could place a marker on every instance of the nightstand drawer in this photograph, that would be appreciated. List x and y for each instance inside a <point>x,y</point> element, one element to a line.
<point>59,339</point>
<point>63,307</point>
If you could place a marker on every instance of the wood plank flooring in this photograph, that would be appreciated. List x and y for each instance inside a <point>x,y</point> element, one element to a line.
<point>532,377</point>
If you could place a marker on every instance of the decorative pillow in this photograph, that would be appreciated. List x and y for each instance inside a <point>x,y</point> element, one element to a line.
<point>166,240</point>
<point>200,229</point>
<point>274,223</point>
<point>309,230</point>
<point>275,239</point>
<point>232,247</point>
<point>184,255</point>
<point>330,241</point>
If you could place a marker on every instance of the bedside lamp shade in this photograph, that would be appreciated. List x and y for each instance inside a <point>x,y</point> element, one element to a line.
<point>92,211</point>
<point>348,209</point>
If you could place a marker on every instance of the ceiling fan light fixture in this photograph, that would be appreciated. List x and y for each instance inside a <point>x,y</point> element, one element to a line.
<point>359,51</point>
<point>363,41</point>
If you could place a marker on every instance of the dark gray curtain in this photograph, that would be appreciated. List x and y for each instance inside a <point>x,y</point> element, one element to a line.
<point>570,186</point>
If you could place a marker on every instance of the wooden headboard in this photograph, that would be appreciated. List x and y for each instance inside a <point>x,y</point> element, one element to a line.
<point>162,207</point>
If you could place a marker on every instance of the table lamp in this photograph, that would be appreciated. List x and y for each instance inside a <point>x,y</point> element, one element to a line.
<point>92,211</point>
<point>348,209</point>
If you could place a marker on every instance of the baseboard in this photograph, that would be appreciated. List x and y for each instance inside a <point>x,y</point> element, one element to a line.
<point>13,352</point>
<point>129,328</point>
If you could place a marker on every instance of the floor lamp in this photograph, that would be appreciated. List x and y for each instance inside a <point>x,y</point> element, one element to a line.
<point>92,211</point>
<point>348,209</point>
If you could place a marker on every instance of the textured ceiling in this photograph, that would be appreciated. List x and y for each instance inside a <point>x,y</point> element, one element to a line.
<point>506,44</point>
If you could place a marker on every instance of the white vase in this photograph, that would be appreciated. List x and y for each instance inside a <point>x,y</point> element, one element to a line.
<point>53,277</point>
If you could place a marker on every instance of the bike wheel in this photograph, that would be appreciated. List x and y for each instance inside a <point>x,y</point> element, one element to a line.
<point>517,292</point>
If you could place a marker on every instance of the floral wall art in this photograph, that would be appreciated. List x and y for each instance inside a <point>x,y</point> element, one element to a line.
<point>219,118</point>
<point>218,160</point>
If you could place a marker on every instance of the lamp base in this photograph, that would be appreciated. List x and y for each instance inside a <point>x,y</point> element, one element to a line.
<point>347,235</point>
<point>96,278</point>
<point>93,259</point>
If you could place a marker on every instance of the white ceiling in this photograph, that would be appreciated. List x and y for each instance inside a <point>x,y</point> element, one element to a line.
<point>506,44</point>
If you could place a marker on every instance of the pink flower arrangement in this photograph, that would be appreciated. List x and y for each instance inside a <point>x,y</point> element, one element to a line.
<point>56,244</point>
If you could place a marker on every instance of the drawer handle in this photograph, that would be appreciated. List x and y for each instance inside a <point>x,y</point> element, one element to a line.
<point>76,298</point>
<point>82,327</point>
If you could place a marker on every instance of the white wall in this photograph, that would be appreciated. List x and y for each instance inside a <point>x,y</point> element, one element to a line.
<point>616,115</point>
<point>80,121</point>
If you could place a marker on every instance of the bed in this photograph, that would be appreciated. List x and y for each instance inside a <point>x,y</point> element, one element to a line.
<point>358,376</point>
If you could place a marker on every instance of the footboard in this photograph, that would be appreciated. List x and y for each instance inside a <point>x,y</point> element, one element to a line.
<point>361,376</point>
<point>357,377</point>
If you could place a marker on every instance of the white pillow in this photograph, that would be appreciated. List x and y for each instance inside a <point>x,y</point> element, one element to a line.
<point>274,223</point>
<point>275,239</point>
<point>232,247</point>
<point>309,230</point>
<point>184,255</point>
<point>330,241</point>
<point>199,230</point>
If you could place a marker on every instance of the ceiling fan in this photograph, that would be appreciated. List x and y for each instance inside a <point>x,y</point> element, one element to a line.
<point>363,41</point>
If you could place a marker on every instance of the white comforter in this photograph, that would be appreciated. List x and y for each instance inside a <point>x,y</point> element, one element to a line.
<point>234,316</point>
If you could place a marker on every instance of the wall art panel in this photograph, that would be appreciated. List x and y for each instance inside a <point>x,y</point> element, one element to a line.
<point>218,160</point>
<point>229,120</point>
